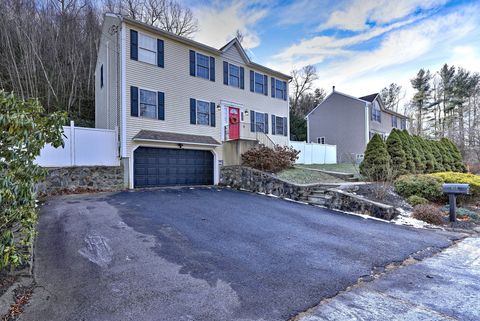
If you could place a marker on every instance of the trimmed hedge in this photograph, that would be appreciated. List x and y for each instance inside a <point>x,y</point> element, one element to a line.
<point>426,186</point>
<point>461,178</point>
<point>415,200</point>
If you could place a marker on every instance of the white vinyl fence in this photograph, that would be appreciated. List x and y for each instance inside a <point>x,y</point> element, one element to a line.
<point>311,153</point>
<point>83,147</point>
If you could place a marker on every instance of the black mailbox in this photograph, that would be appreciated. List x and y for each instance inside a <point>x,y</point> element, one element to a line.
<point>453,190</point>
<point>456,188</point>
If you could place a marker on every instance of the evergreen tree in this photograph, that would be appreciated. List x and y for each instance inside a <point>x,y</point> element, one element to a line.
<point>437,154</point>
<point>430,158</point>
<point>456,158</point>
<point>446,156</point>
<point>420,159</point>
<point>407,148</point>
<point>376,163</point>
<point>397,154</point>
<point>421,98</point>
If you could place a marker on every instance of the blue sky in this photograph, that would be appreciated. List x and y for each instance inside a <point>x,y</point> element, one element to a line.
<point>359,46</point>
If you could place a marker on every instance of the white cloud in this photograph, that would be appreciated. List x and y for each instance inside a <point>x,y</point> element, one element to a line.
<point>467,57</point>
<point>219,24</point>
<point>358,13</point>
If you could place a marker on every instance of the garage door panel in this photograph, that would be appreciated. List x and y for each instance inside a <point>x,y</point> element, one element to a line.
<point>164,166</point>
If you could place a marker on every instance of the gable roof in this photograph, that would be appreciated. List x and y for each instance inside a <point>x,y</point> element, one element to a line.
<point>370,98</point>
<point>196,44</point>
<point>335,93</point>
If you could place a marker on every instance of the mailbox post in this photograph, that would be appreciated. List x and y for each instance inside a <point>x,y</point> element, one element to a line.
<point>453,190</point>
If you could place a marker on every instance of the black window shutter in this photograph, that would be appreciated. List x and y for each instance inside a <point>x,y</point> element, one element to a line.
<point>101,76</point>
<point>134,101</point>
<point>212,114</point>
<point>273,86</point>
<point>265,85</point>
<point>192,63</point>
<point>252,121</point>
<point>266,123</point>
<point>133,45</point>
<point>285,126</point>
<point>161,106</point>
<point>252,80</point>
<point>285,90</point>
<point>193,111</point>
<point>225,73</point>
<point>273,124</point>
<point>242,78</point>
<point>212,69</point>
<point>160,53</point>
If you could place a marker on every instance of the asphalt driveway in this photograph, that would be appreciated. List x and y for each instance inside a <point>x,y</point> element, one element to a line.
<point>203,254</point>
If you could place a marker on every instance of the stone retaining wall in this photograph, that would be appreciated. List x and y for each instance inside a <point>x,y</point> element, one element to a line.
<point>250,179</point>
<point>82,177</point>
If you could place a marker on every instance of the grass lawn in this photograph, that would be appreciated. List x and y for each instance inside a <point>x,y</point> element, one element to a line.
<point>304,176</point>
<point>342,168</point>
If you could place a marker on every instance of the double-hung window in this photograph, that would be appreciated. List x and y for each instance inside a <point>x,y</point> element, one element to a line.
<point>376,113</point>
<point>148,104</point>
<point>259,83</point>
<point>394,121</point>
<point>147,49</point>
<point>260,122</point>
<point>403,124</point>
<point>234,75</point>
<point>203,66</point>
<point>203,112</point>
<point>321,140</point>
<point>280,89</point>
<point>279,126</point>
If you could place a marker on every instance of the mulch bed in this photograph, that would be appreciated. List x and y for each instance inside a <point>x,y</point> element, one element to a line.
<point>379,193</point>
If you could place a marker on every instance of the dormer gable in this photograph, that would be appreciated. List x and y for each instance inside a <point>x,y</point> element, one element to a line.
<point>234,51</point>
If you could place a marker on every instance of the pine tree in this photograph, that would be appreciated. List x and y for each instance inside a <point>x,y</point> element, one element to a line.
<point>456,157</point>
<point>397,154</point>
<point>407,148</point>
<point>446,156</point>
<point>376,163</point>
<point>421,98</point>
<point>420,159</point>
<point>430,158</point>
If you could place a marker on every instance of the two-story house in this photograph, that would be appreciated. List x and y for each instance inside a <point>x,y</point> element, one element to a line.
<point>349,122</point>
<point>182,108</point>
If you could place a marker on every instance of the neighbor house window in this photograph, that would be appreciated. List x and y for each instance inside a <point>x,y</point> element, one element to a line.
<point>203,66</point>
<point>394,121</point>
<point>321,140</point>
<point>203,112</point>
<point>280,89</point>
<point>403,124</point>
<point>259,83</point>
<point>148,104</point>
<point>260,122</point>
<point>147,49</point>
<point>234,75</point>
<point>376,113</point>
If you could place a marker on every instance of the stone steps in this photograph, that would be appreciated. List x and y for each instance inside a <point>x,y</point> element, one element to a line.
<point>318,197</point>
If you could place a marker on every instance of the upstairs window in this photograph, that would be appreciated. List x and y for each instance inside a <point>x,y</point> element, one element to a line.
<point>394,121</point>
<point>148,104</point>
<point>234,75</point>
<point>376,112</point>
<point>259,83</point>
<point>403,124</point>
<point>280,89</point>
<point>203,112</point>
<point>147,49</point>
<point>203,66</point>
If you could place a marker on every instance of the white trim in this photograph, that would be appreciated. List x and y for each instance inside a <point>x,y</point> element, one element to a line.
<point>172,142</point>
<point>123,107</point>
<point>308,132</point>
<point>320,138</point>
<point>216,169</point>
<point>331,94</point>
<point>156,103</point>
<point>367,124</point>
<point>209,113</point>
<point>107,89</point>
<point>241,51</point>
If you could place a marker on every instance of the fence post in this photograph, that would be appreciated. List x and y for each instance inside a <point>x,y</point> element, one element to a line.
<point>117,144</point>
<point>72,143</point>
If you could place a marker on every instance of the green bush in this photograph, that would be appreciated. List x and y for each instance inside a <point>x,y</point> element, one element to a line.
<point>415,200</point>
<point>408,149</point>
<point>376,163</point>
<point>429,214</point>
<point>425,186</point>
<point>461,178</point>
<point>24,130</point>
<point>397,154</point>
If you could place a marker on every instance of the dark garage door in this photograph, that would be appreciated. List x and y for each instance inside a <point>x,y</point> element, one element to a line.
<point>168,166</point>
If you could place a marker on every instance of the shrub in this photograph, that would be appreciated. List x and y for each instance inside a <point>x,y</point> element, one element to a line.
<point>426,186</point>
<point>428,213</point>
<point>397,154</point>
<point>24,130</point>
<point>461,178</point>
<point>415,200</point>
<point>270,159</point>
<point>463,213</point>
<point>408,149</point>
<point>438,156</point>
<point>376,163</point>
<point>457,160</point>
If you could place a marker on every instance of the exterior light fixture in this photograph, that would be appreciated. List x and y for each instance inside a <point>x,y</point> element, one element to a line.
<point>246,112</point>
<point>219,107</point>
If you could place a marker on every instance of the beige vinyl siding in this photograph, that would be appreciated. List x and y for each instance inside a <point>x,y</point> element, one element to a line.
<point>106,98</point>
<point>177,84</point>
<point>233,55</point>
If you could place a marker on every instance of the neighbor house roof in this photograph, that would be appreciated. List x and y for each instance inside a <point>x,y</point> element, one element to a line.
<point>369,98</point>
<point>166,137</point>
<point>202,46</point>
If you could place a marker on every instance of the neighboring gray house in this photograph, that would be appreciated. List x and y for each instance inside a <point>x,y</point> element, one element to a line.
<point>350,122</point>
<point>182,108</point>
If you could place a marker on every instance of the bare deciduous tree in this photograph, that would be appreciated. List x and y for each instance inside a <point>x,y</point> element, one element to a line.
<point>302,82</point>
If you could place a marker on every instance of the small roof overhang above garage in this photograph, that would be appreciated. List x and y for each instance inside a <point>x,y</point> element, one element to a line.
<point>175,138</point>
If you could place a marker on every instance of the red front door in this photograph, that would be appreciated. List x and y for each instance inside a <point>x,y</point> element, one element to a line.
<point>233,123</point>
